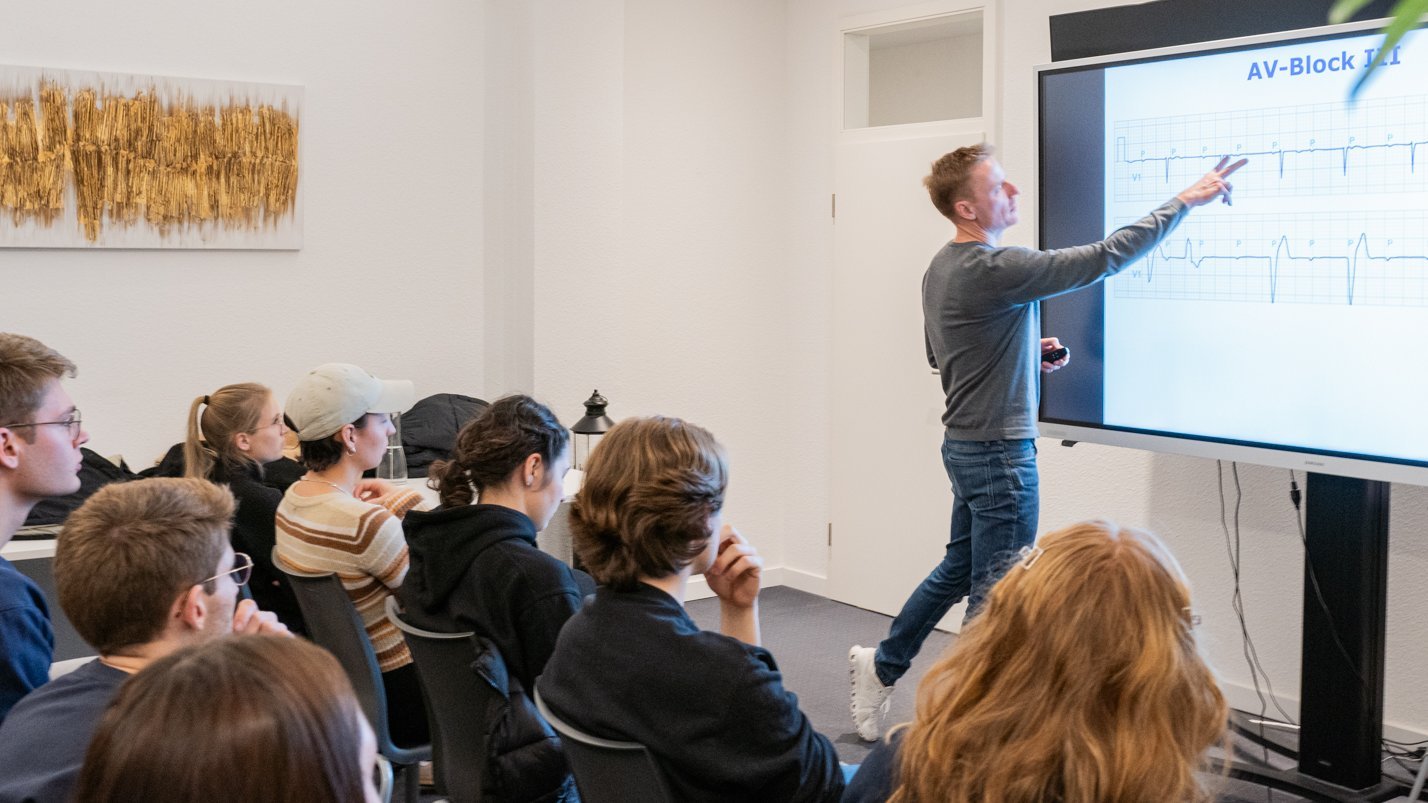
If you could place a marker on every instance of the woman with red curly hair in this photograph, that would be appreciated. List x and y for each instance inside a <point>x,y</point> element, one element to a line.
<point>1081,682</point>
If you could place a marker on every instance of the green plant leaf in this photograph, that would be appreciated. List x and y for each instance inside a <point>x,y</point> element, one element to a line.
<point>1406,15</point>
<point>1344,10</point>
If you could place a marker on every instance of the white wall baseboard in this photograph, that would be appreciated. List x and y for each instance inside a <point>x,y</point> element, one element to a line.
<point>1243,698</point>
<point>805,581</point>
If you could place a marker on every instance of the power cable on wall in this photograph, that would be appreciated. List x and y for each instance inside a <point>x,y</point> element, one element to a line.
<point>1396,751</point>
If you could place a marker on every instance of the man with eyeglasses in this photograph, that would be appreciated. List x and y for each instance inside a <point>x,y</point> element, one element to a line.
<point>40,436</point>
<point>142,569</point>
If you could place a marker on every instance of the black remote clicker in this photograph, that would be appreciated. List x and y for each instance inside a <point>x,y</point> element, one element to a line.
<point>1054,354</point>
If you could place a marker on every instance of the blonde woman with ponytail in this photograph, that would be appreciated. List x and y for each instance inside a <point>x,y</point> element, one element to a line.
<point>233,433</point>
<point>1080,682</point>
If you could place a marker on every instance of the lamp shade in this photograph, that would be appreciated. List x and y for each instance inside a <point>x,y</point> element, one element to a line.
<point>595,421</point>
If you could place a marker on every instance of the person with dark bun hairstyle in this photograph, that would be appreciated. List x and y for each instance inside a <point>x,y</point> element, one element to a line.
<point>234,721</point>
<point>475,566</point>
<point>632,665</point>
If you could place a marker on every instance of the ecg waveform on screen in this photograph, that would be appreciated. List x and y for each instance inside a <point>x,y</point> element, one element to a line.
<point>1242,261</point>
<point>1323,148</point>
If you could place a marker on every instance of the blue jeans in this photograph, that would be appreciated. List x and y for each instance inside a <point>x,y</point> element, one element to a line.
<point>993,516</point>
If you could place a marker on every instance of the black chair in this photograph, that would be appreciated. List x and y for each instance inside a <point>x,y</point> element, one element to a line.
<point>457,702</point>
<point>333,623</point>
<point>607,771</point>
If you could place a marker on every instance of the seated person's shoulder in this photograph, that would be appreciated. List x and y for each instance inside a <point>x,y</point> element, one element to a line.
<point>78,689</point>
<point>18,593</point>
<point>47,732</point>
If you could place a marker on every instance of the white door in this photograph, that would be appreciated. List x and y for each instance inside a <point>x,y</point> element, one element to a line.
<point>890,497</point>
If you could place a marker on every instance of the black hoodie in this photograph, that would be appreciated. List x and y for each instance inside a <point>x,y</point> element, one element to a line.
<point>477,568</point>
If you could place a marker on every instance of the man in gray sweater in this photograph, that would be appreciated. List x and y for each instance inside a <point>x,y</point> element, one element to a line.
<point>982,322</point>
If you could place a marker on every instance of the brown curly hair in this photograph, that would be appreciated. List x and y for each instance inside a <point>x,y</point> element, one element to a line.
<point>643,510</point>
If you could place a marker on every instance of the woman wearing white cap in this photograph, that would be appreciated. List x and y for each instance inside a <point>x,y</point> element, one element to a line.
<point>333,520</point>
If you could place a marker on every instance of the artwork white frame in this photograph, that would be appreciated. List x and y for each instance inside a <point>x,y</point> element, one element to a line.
<point>265,232</point>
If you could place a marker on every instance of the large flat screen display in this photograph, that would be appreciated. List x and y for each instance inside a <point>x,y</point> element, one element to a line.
<point>1289,328</point>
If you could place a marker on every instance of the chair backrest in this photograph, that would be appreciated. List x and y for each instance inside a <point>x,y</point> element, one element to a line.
<point>607,771</point>
<point>458,705</point>
<point>334,624</point>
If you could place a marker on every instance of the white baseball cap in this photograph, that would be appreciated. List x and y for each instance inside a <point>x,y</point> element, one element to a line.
<point>338,393</point>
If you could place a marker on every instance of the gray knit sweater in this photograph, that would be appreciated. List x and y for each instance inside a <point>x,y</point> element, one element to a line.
<point>982,320</point>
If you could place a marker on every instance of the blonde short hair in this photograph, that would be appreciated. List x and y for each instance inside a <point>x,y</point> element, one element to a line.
<point>948,182</point>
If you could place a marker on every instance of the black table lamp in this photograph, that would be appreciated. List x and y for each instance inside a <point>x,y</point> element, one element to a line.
<point>588,430</point>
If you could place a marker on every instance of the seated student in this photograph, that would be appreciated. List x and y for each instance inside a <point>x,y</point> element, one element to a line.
<point>633,665</point>
<point>40,436</point>
<point>232,434</point>
<point>234,721</point>
<point>1081,681</point>
<point>476,566</point>
<point>142,569</point>
<point>333,520</point>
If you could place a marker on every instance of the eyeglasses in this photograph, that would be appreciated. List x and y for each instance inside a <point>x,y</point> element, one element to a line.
<point>73,422</point>
<point>240,573</point>
<point>276,422</point>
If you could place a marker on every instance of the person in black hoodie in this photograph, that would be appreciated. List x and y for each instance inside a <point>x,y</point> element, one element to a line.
<point>232,434</point>
<point>475,566</point>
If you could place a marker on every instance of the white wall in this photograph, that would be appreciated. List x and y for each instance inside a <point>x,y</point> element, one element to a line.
<point>901,76</point>
<point>390,275</point>
<point>661,264</point>
<point>508,187</point>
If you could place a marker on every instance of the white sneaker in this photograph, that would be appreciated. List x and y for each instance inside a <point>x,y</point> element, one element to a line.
<point>869,695</point>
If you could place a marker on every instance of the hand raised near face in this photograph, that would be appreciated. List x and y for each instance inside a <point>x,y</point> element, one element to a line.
<point>248,620</point>
<point>736,573</point>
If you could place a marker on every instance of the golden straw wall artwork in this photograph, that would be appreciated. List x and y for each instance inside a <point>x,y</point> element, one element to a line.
<point>129,161</point>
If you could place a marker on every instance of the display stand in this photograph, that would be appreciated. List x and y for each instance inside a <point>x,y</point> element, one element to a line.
<point>1345,609</point>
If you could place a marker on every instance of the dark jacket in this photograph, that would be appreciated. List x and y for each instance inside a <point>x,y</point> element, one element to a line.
<point>95,472</point>
<point>877,778</point>
<point>525,762</point>
<point>429,429</point>
<point>632,665</point>
<point>477,568</point>
<point>254,533</point>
